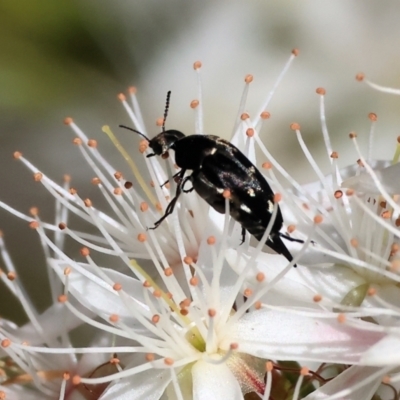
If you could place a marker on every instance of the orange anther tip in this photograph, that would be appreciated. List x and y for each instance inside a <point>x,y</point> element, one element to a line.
<point>5,343</point>
<point>212,313</point>
<point>334,154</point>
<point>398,139</point>
<point>76,380</point>
<point>168,361</point>
<point>96,181</point>
<point>62,298</point>
<point>117,287</point>
<point>66,376</point>
<point>373,117</point>
<point>341,318</point>
<point>338,194</point>
<point>260,276</point>
<point>62,226</point>
<point>17,155</point>
<point>67,178</point>
<point>118,175</point>
<point>33,224</point>
<point>277,197</point>
<point>87,202</point>
<point>291,228</point>
<point>113,318</point>
<point>84,251</point>
<point>149,357</point>
<point>144,206</point>
<point>159,121</point>
<point>157,293</point>
<point>37,176</point>
<point>168,271</point>
<point>244,116</point>
<point>318,219</point>
<point>188,260</point>
<point>250,132</point>
<point>194,103</point>
<point>121,97</point>
<point>296,52</point>
<point>265,115</point>
<point>142,237</point>
<point>211,240</point>
<point>77,141</point>
<point>197,65</point>
<point>320,91</point>
<point>194,281</point>
<point>371,292</point>
<point>132,89</point>
<point>155,318</point>
<point>117,191</point>
<point>294,126</point>
<point>12,276</point>
<point>304,371</point>
<point>349,192</point>
<point>317,298</point>
<point>34,211</point>
<point>226,194</point>
<point>128,185</point>
<point>68,121</point>
<point>266,165</point>
<point>73,191</point>
<point>360,77</point>
<point>354,242</point>
<point>92,143</point>
<point>269,366</point>
<point>248,78</point>
<point>234,346</point>
<point>67,271</point>
<point>352,135</point>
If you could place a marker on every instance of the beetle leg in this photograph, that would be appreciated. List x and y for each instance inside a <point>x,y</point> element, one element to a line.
<point>173,177</point>
<point>183,185</point>
<point>243,236</point>
<point>171,205</point>
<point>290,238</point>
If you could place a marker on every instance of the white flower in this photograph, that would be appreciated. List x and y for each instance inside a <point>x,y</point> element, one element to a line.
<point>198,317</point>
<point>363,221</point>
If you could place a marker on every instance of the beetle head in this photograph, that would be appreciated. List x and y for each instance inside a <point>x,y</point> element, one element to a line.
<point>164,141</point>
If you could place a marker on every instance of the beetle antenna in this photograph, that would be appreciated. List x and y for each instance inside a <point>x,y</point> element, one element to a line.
<point>166,110</point>
<point>134,130</point>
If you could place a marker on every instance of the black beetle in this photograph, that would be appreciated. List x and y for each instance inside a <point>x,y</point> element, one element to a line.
<point>218,165</point>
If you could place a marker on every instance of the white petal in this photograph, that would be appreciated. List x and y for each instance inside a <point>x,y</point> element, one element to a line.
<point>287,336</point>
<point>385,352</point>
<point>301,283</point>
<point>345,381</point>
<point>388,177</point>
<point>215,382</point>
<point>56,320</point>
<point>99,296</point>
<point>149,385</point>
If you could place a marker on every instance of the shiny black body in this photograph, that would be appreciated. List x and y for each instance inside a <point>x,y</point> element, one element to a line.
<point>217,165</point>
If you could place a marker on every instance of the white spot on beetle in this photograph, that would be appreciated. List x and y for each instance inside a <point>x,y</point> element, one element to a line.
<point>251,193</point>
<point>270,206</point>
<point>213,150</point>
<point>245,208</point>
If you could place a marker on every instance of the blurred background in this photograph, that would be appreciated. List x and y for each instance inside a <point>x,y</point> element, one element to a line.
<point>71,58</point>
